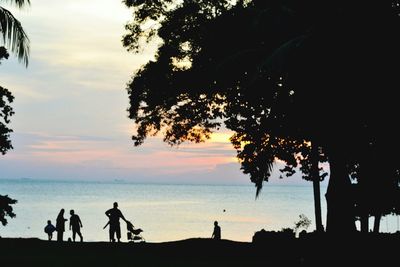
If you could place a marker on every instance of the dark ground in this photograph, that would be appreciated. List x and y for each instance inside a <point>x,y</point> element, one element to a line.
<point>308,251</point>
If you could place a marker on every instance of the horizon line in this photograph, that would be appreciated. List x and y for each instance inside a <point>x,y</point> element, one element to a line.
<point>152,182</point>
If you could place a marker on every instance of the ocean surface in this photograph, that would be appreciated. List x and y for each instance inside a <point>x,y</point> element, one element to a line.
<point>164,212</point>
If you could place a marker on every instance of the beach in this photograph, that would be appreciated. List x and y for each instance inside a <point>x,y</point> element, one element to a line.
<point>311,250</point>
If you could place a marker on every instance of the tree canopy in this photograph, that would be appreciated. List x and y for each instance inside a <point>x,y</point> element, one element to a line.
<point>283,75</point>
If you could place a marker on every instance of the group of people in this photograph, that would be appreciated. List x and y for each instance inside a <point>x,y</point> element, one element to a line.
<point>75,225</point>
<point>113,214</point>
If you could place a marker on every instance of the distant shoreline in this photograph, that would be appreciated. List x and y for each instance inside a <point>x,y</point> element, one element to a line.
<point>126,181</point>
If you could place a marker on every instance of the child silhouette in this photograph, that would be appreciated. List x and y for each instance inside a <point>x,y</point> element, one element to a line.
<point>49,229</point>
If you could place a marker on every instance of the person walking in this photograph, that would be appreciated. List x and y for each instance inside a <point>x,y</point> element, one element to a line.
<point>113,216</point>
<point>217,231</point>
<point>75,225</point>
<point>60,225</point>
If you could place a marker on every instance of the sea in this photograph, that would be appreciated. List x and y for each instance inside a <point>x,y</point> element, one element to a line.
<point>165,212</point>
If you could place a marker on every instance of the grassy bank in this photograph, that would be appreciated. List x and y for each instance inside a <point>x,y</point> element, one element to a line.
<point>309,251</point>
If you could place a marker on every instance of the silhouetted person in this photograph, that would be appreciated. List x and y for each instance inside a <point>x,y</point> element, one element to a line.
<point>113,215</point>
<point>75,224</point>
<point>217,231</point>
<point>60,225</point>
<point>49,229</point>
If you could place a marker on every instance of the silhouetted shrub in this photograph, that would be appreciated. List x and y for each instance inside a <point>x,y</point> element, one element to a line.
<point>263,236</point>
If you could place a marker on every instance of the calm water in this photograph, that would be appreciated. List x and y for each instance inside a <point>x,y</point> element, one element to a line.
<point>164,212</point>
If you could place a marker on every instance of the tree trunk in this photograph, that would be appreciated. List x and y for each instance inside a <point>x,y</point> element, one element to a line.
<point>340,207</point>
<point>377,222</point>
<point>362,202</point>
<point>316,188</point>
<point>364,222</point>
<point>363,195</point>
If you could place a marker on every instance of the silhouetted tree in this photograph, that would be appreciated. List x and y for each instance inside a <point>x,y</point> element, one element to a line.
<point>5,209</point>
<point>14,38</point>
<point>303,222</point>
<point>5,143</point>
<point>288,78</point>
<point>6,111</point>
<point>377,193</point>
<point>214,40</point>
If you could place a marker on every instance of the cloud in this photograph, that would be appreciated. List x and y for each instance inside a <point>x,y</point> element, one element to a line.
<point>71,120</point>
<point>75,83</point>
<point>113,155</point>
<point>44,156</point>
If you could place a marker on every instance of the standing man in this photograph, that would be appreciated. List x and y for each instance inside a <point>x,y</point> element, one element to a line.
<point>113,215</point>
<point>76,224</point>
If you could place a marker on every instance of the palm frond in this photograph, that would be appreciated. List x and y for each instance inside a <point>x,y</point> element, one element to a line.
<point>18,3</point>
<point>260,181</point>
<point>259,186</point>
<point>14,36</point>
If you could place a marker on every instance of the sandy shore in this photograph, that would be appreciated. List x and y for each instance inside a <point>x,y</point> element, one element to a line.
<point>308,251</point>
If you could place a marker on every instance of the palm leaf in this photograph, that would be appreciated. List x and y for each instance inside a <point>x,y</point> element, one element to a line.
<point>18,3</point>
<point>259,180</point>
<point>14,36</point>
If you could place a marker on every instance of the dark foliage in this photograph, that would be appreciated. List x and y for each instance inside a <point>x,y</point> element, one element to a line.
<point>6,111</point>
<point>6,209</point>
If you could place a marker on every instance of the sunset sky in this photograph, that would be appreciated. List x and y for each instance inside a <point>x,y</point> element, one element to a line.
<point>70,104</point>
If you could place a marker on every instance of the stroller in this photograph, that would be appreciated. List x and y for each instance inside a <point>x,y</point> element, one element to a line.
<point>134,235</point>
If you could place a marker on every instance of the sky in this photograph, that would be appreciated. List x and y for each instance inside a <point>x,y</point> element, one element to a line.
<point>70,104</point>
